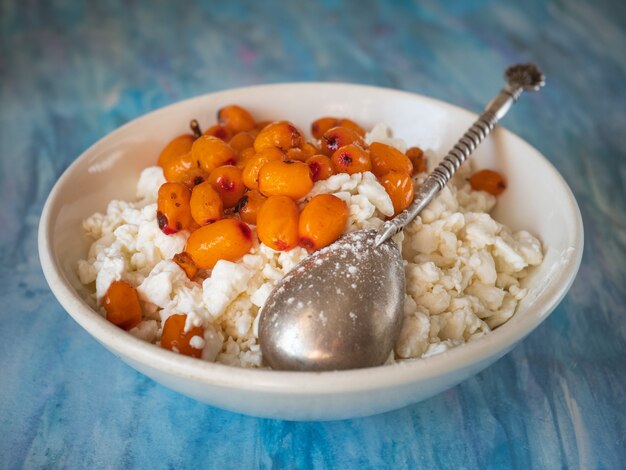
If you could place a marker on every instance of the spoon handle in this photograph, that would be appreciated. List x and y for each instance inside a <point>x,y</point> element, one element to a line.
<point>520,78</point>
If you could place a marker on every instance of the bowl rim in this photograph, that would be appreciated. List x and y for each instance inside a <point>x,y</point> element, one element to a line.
<point>136,350</point>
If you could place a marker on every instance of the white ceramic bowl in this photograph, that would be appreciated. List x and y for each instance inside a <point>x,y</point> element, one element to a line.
<point>537,199</point>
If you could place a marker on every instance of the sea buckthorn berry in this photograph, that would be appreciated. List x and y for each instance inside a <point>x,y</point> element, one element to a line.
<point>227,239</point>
<point>175,338</point>
<point>489,181</point>
<point>175,148</point>
<point>285,178</point>
<point>228,182</point>
<point>337,137</point>
<point>241,141</point>
<point>254,165</point>
<point>344,122</point>
<point>296,154</point>
<point>184,169</point>
<point>351,159</point>
<point>206,204</point>
<point>173,209</point>
<point>301,154</point>
<point>185,262</point>
<point>322,221</point>
<point>259,127</point>
<point>272,153</point>
<point>418,159</point>
<point>277,223</point>
<point>221,132</point>
<point>399,186</point>
<point>211,152</point>
<point>321,125</point>
<point>244,157</point>
<point>122,306</point>
<point>281,134</point>
<point>262,125</point>
<point>321,167</point>
<point>235,118</point>
<point>249,205</point>
<point>310,149</point>
<point>386,158</point>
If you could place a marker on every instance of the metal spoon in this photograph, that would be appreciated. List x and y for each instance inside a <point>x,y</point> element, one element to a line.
<point>342,307</point>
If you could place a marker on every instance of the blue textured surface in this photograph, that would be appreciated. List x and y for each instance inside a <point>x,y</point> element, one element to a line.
<point>72,72</point>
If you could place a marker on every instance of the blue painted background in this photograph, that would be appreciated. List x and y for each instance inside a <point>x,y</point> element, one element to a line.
<point>70,72</point>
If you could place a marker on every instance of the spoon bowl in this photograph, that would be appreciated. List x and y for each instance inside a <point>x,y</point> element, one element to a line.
<point>340,308</point>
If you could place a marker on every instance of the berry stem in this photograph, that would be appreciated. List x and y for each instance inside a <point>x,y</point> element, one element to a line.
<point>195,128</point>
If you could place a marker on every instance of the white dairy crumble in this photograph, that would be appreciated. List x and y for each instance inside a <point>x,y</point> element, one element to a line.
<point>463,269</point>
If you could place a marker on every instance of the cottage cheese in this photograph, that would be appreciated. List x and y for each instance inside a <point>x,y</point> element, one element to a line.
<point>463,268</point>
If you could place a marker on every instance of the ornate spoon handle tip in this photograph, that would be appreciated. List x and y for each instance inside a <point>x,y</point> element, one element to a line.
<point>520,78</point>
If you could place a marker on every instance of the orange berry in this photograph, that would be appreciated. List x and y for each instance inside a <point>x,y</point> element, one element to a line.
<point>184,169</point>
<point>175,148</point>
<point>272,153</point>
<point>351,159</point>
<point>489,181</point>
<point>241,142</point>
<point>210,152</point>
<point>175,338</point>
<point>185,262</point>
<point>244,157</point>
<point>259,127</point>
<point>399,186</point>
<point>322,221</point>
<point>386,158</point>
<point>321,167</point>
<point>285,178</point>
<point>227,239</point>
<point>249,205</point>
<point>173,208</point>
<point>351,125</point>
<point>338,137</point>
<point>254,164</point>
<point>281,134</point>
<point>277,223</point>
<point>221,132</point>
<point>206,204</point>
<point>122,306</point>
<point>416,155</point>
<point>310,149</point>
<point>235,118</point>
<point>228,182</point>
<point>296,154</point>
<point>262,125</point>
<point>321,125</point>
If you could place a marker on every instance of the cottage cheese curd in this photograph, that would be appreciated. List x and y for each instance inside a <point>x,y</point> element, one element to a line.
<point>463,268</point>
